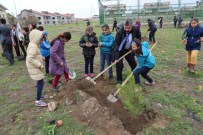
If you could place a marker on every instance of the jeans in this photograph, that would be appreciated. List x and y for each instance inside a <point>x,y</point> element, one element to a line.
<point>143,71</point>
<point>57,77</point>
<point>174,24</point>
<point>152,36</point>
<point>107,57</point>
<point>119,66</point>
<point>40,85</point>
<point>89,60</point>
<point>8,52</point>
<point>47,64</point>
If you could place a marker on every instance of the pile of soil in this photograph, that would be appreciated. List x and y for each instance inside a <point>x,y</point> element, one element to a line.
<point>97,112</point>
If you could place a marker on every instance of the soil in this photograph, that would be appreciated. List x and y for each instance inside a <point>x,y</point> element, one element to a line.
<point>97,112</point>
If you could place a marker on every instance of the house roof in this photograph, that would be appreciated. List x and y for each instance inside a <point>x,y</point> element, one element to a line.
<point>68,15</point>
<point>156,4</point>
<point>2,7</point>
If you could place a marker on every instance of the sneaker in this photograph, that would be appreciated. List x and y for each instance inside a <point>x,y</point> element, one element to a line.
<point>91,75</point>
<point>55,88</point>
<point>110,77</point>
<point>192,71</point>
<point>44,96</point>
<point>150,84</point>
<point>40,103</point>
<point>85,75</point>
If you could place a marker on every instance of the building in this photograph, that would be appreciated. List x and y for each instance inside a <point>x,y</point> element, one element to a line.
<point>114,10</point>
<point>45,17</point>
<point>3,13</point>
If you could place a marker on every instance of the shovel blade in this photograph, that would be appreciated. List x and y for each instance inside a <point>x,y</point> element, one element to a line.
<point>112,98</point>
<point>72,75</point>
<point>91,80</point>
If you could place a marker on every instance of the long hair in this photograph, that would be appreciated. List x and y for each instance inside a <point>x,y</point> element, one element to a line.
<point>66,35</point>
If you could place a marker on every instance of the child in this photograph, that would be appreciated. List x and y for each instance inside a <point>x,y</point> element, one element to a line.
<point>57,65</point>
<point>146,61</point>
<point>34,64</point>
<point>152,29</point>
<point>26,40</point>
<point>106,44</point>
<point>45,48</point>
<point>89,42</point>
<point>193,35</point>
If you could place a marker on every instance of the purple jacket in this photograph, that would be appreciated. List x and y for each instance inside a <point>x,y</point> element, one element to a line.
<point>56,57</point>
<point>138,24</point>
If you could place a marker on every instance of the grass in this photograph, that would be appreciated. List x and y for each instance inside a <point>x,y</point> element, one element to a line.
<point>176,90</point>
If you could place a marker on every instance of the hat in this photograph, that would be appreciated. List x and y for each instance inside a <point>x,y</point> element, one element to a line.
<point>148,20</point>
<point>45,33</point>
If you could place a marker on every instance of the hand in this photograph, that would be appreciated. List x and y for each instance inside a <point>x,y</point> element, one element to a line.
<point>41,67</point>
<point>14,44</point>
<point>61,64</point>
<point>88,44</point>
<point>43,58</point>
<point>100,45</point>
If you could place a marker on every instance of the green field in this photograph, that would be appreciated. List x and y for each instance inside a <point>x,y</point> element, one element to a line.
<point>176,96</point>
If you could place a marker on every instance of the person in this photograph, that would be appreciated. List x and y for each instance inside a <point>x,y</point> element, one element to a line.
<point>32,26</point>
<point>89,42</point>
<point>26,40</point>
<point>106,44</point>
<point>152,29</point>
<point>6,41</point>
<point>175,21</point>
<point>114,25</point>
<point>88,23</point>
<point>34,63</point>
<point>138,23</point>
<point>160,22</point>
<point>193,35</point>
<point>57,65</point>
<point>179,21</point>
<point>45,48</point>
<point>123,40</point>
<point>145,59</point>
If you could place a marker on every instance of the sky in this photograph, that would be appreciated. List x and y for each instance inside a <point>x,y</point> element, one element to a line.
<point>81,8</point>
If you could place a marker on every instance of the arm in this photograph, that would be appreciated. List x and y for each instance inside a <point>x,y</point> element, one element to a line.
<point>31,58</point>
<point>82,42</point>
<point>95,42</point>
<point>54,51</point>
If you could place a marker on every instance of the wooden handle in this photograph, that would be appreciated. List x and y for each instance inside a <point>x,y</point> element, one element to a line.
<point>111,65</point>
<point>123,84</point>
<point>153,46</point>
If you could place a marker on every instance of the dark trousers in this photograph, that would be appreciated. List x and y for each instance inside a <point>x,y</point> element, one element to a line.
<point>40,85</point>
<point>179,23</point>
<point>152,36</point>
<point>3,48</point>
<point>114,27</point>
<point>119,66</point>
<point>89,60</point>
<point>160,25</point>
<point>8,52</point>
<point>20,43</point>
<point>47,64</point>
<point>174,24</point>
<point>143,71</point>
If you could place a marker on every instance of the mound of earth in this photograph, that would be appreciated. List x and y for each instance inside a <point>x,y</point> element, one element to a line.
<point>105,117</point>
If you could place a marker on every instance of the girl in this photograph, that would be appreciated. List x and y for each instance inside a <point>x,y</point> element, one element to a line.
<point>193,35</point>
<point>146,61</point>
<point>32,26</point>
<point>89,42</point>
<point>45,48</point>
<point>106,44</point>
<point>26,40</point>
<point>57,65</point>
<point>34,64</point>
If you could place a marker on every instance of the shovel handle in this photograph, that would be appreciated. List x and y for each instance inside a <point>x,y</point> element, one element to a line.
<point>123,84</point>
<point>153,46</point>
<point>112,65</point>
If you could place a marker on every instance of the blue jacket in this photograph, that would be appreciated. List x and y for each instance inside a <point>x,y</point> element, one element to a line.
<point>146,59</point>
<point>193,38</point>
<point>107,43</point>
<point>45,48</point>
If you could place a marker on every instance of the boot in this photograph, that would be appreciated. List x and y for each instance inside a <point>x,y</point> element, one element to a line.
<point>192,68</point>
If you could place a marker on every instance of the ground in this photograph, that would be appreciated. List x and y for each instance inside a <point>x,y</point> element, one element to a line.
<point>173,106</point>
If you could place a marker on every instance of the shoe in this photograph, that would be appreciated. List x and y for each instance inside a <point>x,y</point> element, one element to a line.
<point>110,77</point>
<point>150,84</point>
<point>40,103</point>
<point>118,82</point>
<point>85,75</point>
<point>44,96</point>
<point>55,88</point>
<point>91,75</point>
<point>192,71</point>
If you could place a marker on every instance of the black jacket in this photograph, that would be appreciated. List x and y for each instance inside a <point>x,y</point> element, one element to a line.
<point>5,34</point>
<point>89,51</point>
<point>152,26</point>
<point>121,34</point>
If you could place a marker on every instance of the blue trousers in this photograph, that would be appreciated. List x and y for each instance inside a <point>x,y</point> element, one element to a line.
<point>143,71</point>
<point>40,85</point>
<point>105,57</point>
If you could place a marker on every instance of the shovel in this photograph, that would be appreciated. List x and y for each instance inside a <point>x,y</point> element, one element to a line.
<point>93,80</point>
<point>72,75</point>
<point>113,97</point>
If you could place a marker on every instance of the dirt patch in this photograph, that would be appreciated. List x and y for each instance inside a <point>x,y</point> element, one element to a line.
<point>99,113</point>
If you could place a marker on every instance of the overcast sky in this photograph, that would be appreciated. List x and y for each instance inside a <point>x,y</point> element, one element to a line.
<point>81,8</point>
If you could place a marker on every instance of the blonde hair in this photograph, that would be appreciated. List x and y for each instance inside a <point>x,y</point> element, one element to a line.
<point>89,28</point>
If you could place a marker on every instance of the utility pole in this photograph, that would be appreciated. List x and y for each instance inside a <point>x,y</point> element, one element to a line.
<point>118,9</point>
<point>15,9</point>
<point>138,9</point>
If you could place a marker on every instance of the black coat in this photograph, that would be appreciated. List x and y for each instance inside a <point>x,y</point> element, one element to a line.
<point>152,26</point>
<point>89,51</point>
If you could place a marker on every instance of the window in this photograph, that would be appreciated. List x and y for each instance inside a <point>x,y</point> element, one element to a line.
<point>63,18</point>
<point>39,18</point>
<point>53,18</point>
<point>53,22</point>
<point>39,23</point>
